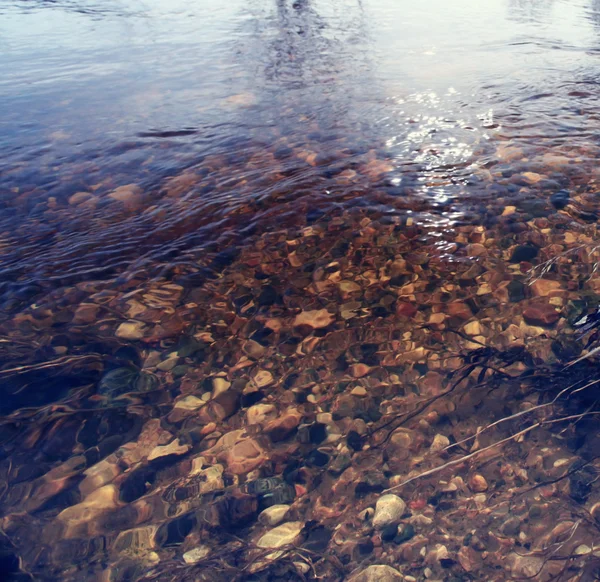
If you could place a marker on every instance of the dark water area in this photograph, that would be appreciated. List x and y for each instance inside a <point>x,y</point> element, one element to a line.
<point>292,290</point>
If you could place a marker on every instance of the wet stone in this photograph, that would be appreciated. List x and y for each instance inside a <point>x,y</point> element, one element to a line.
<point>317,433</point>
<point>535,207</point>
<point>377,574</point>
<point>545,288</point>
<point>274,515</point>
<point>317,319</point>
<point>541,313</point>
<point>317,458</point>
<point>268,296</point>
<point>340,464</point>
<point>511,526</point>
<point>131,330</point>
<point>271,491</point>
<point>244,456</point>
<point>560,199</point>
<point>388,511</point>
<point>354,440</point>
<point>235,511</point>
<point>525,566</point>
<point>251,398</point>
<point>123,380</point>
<point>282,495</point>
<point>196,554</point>
<point>283,427</point>
<point>478,483</point>
<point>282,535</point>
<point>524,253</point>
<point>371,482</point>
<point>179,371</point>
<point>389,532</point>
<point>580,483</point>
<point>477,544</point>
<point>317,539</point>
<point>405,533</point>
<point>365,548</point>
<point>189,346</point>
<point>536,512</point>
<point>566,350</point>
<point>174,532</point>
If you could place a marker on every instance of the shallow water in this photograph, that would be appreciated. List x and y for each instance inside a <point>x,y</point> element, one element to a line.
<point>98,96</point>
<point>180,182</point>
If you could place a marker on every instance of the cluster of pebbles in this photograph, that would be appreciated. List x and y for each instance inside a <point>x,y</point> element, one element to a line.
<point>315,404</point>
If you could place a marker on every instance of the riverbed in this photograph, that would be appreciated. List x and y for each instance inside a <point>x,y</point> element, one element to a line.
<point>265,263</point>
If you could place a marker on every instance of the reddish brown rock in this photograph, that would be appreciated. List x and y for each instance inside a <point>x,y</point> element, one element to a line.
<point>359,370</point>
<point>460,310</point>
<point>86,313</point>
<point>468,559</point>
<point>129,195</point>
<point>432,384</point>
<point>283,427</point>
<point>545,288</point>
<point>240,453</point>
<point>345,405</point>
<point>221,407</point>
<point>172,326</point>
<point>541,313</point>
<point>244,456</point>
<point>476,250</point>
<point>314,319</point>
<point>477,483</point>
<point>406,309</point>
<point>79,198</point>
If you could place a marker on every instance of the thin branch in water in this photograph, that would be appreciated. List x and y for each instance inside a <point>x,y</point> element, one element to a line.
<point>472,455</point>
<point>51,364</point>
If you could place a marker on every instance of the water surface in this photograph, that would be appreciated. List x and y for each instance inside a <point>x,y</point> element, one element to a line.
<point>96,97</point>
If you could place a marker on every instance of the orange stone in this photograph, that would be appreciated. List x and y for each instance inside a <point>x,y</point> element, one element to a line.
<point>460,310</point>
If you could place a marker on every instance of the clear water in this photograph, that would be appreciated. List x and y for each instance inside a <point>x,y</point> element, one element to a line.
<point>201,145</point>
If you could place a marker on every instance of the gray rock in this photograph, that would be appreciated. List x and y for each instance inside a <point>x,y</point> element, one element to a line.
<point>196,554</point>
<point>377,574</point>
<point>388,511</point>
<point>282,535</point>
<point>273,515</point>
<point>511,526</point>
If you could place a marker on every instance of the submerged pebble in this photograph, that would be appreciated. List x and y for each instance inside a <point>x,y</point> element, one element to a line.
<point>388,510</point>
<point>560,199</point>
<point>377,574</point>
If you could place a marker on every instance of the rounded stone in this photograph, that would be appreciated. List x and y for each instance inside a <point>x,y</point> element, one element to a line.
<point>405,533</point>
<point>560,199</point>
<point>440,442</point>
<point>526,252</point>
<point>317,319</point>
<point>388,533</point>
<point>196,554</point>
<point>542,314</point>
<point>273,515</point>
<point>478,483</point>
<point>377,574</point>
<point>282,535</point>
<point>388,510</point>
<point>511,527</point>
<point>131,330</point>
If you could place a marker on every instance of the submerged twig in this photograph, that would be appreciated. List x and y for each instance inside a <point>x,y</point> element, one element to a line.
<point>487,448</point>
